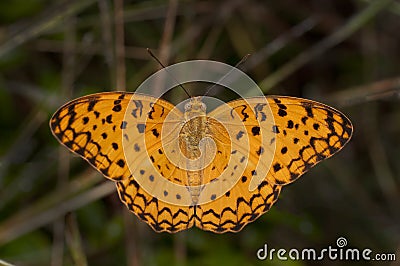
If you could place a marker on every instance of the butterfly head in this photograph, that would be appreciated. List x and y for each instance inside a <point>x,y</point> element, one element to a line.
<point>195,105</point>
<point>195,108</point>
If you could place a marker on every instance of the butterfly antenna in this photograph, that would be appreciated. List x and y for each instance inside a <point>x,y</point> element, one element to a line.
<point>227,74</point>
<point>161,64</point>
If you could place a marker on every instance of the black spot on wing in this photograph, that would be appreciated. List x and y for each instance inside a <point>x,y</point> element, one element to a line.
<point>92,102</point>
<point>276,100</point>
<point>275,129</point>
<point>136,147</point>
<point>277,167</point>
<point>138,109</point>
<point>255,130</point>
<point>243,112</point>
<point>260,151</point>
<point>121,163</point>
<point>123,124</point>
<point>282,113</point>
<point>155,132</point>
<point>260,114</point>
<point>141,127</point>
<point>117,106</point>
<point>114,146</point>
<point>109,119</point>
<point>308,108</point>
<point>239,135</point>
<point>290,124</point>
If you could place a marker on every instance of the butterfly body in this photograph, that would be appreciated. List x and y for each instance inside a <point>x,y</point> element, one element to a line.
<point>193,131</point>
<point>217,171</point>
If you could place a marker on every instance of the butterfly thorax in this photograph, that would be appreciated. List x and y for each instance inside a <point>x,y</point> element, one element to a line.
<point>193,131</point>
<point>194,128</point>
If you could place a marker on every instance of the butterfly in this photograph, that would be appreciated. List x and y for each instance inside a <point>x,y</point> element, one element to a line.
<point>217,170</point>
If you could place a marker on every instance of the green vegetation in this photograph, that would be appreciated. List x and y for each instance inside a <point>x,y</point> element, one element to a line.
<point>56,210</point>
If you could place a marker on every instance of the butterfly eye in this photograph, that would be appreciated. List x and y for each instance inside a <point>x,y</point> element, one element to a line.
<point>188,106</point>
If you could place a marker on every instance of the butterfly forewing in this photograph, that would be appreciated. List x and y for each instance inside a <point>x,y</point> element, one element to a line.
<point>307,133</point>
<point>91,127</point>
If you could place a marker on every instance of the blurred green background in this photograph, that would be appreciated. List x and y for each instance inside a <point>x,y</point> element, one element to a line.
<point>56,210</point>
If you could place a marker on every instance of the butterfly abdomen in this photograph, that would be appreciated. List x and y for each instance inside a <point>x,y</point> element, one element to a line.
<point>192,132</point>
